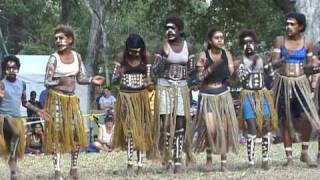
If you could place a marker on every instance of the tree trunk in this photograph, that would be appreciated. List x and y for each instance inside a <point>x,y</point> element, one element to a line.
<point>310,8</point>
<point>96,42</point>
<point>93,43</point>
<point>65,9</point>
<point>3,51</point>
<point>3,47</point>
<point>284,5</point>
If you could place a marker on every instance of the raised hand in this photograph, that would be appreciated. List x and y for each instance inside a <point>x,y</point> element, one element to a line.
<point>98,80</point>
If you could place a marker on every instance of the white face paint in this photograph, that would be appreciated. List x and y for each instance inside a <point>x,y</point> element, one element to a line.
<point>134,51</point>
<point>249,45</point>
<point>171,31</point>
<point>11,70</point>
<point>244,47</point>
<point>62,41</point>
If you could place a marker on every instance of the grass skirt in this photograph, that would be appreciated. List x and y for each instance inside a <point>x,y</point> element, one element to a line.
<point>17,126</point>
<point>298,87</point>
<point>256,98</point>
<point>217,125</point>
<point>317,94</point>
<point>65,130</point>
<point>133,115</point>
<point>159,131</point>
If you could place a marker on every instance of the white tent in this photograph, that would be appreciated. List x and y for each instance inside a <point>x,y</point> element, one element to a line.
<point>32,71</point>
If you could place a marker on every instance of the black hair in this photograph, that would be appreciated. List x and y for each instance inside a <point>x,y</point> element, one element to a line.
<point>108,118</point>
<point>210,34</point>
<point>300,18</point>
<point>135,41</point>
<point>106,87</point>
<point>247,33</point>
<point>7,59</point>
<point>34,127</point>
<point>176,21</point>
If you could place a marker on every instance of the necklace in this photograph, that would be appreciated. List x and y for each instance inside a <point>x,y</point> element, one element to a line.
<point>36,140</point>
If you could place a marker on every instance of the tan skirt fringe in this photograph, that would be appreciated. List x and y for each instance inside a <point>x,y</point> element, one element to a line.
<point>256,98</point>
<point>65,131</point>
<point>18,128</point>
<point>317,94</point>
<point>157,152</point>
<point>133,117</point>
<point>291,86</point>
<point>217,125</point>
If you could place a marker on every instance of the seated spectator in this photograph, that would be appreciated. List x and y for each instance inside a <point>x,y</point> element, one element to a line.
<point>105,137</point>
<point>99,93</point>
<point>194,99</point>
<point>34,142</point>
<point>106,102</point>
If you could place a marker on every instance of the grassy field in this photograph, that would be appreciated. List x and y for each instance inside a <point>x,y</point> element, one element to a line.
<point>102,166</point>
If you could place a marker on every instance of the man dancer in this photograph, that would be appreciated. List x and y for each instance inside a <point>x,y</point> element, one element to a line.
<point>257,107</point>
<point>174,61</point>
<point>315,82</point>
<point>12,95</point>
<point>296,109</point>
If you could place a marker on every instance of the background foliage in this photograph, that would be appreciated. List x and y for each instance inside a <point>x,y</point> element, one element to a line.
<point>27,25</point>
<point>103,25</point>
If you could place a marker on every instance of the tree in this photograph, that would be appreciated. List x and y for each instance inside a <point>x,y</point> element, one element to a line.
<point>103,25</point>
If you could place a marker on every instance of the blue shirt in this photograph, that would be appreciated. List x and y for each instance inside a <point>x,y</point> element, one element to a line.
<point>43,96</point>
<point>11,102</point>
<point>294,56</point>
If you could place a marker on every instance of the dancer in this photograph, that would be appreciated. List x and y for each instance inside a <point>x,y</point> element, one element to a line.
<point>133,129</point>
<point>315,82</point>
<point>12,129</point>
<point>217,125</point>
<point>257,106</point>
<point>293,99</point>
<point>174,61</point>
<point>65,131</point>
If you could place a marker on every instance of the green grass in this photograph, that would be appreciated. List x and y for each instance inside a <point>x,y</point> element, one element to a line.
<point>102,166</point>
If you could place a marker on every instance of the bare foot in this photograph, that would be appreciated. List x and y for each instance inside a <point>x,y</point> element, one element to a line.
<point>306,159</point>
<point>224,167</point>
<point>13,169</point>
<point>289,163</point>
<point>58,175</point>
<point>74,174</point>
<point>139,171</point>
<point>169,167</point>
<point>130,171</point>
<point>208,167</point>
<point>265,165</point>
<point>177,169</point>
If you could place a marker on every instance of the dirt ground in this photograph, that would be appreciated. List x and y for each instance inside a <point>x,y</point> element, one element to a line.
<point>112,166</point>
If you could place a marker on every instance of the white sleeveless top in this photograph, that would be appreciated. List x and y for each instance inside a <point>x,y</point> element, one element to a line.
<point>180,57</point>
<point>64,70</point>
<point>106,137</point>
